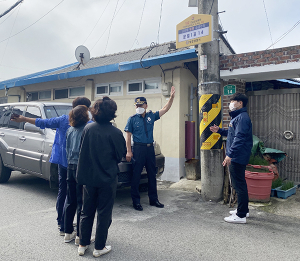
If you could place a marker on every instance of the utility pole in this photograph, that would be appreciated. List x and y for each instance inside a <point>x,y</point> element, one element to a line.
<point>210,105</point>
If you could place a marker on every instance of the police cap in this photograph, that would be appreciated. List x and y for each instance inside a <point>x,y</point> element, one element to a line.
<point>140,101</point>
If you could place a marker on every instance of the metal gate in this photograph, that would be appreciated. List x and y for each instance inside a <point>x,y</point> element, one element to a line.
<point>275,115</point>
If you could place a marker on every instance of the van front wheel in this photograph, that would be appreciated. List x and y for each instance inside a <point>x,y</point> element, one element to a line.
<point>4,172</point>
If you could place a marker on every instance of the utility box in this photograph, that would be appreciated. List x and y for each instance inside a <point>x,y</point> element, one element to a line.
<point>166,88</point>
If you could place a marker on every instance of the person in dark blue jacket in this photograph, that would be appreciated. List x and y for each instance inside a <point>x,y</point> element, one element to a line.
<point>238,149</point>
<point>58,153</point>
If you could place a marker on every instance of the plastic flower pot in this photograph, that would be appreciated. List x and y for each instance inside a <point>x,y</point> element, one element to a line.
<point>259,183</point>
<point>286,193</point>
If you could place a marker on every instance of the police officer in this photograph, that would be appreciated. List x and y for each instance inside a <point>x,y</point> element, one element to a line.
<point>140,126</point>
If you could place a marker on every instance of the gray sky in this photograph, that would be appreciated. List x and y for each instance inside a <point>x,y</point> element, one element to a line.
<point>51,42</point>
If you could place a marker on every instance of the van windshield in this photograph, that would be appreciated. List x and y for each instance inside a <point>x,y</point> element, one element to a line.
<point>57,110</point>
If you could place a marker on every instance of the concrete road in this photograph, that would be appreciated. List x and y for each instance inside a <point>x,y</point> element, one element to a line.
<point>186,229</point>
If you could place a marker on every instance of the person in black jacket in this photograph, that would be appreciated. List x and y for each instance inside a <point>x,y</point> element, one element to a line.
<point>238,149</point>
<point>102,148</point>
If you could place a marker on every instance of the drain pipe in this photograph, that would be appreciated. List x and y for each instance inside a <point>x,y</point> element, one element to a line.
<point>191,102</point>
<point>14,95</point>
<point>190,130</point>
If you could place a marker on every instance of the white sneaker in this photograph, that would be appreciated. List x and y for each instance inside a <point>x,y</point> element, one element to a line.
<point>70,237</point>
<point>77,239</point>
<point>235,219</point>
<point>61,233</point>
<point>235,211</point>
<point>105,250</point>
<point>81,250</point>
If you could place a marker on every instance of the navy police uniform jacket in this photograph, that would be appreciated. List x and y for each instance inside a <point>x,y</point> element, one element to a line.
<point>239,136</point>
<point>136,125</point>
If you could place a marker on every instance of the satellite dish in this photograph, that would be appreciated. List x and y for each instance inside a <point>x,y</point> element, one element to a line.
<point>82,55</point>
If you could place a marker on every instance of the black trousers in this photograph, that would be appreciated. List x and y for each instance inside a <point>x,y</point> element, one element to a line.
<point>102,200</point>
<point>73,200</point>
<point>237,173</point>
<point>143,156</point>
<point>61,196</point>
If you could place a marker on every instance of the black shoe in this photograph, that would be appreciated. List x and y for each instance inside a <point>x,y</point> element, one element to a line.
<point>138,207</point>
<point>157,204</point>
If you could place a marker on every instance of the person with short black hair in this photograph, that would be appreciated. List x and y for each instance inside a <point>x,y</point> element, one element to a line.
<point>102,148</point>
<point>78,118</point>
<point>238,149</point>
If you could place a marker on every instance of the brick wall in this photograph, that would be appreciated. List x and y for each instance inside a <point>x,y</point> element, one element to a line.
<point>260,58</point>
<point>240,87</point>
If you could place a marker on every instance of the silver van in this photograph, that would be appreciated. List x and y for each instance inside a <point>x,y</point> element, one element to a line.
<point>27,148</point>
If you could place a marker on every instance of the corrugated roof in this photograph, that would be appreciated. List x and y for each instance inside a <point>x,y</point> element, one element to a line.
<point>127,56</point>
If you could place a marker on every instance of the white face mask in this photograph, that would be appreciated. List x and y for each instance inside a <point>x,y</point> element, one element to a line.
<point>232,107</point>
<point>140,110</point>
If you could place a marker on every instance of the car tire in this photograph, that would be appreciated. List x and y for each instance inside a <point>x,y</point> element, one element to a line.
<point>4,172</point>
<point>143,187</point>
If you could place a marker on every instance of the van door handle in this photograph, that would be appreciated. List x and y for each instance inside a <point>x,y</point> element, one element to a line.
<point>22,138</point>
<point>2,134</point>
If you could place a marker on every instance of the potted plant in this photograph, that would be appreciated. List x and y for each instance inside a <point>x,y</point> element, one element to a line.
<point>287,189</point>
<point>259,178</point>
<point>275,184</point>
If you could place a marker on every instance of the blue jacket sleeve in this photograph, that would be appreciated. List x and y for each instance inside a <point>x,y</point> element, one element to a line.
<point>49,123</point>
<point>223,132</point>
<point>240,137</point>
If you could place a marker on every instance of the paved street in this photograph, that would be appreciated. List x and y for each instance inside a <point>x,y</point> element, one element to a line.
<point>186,229</point>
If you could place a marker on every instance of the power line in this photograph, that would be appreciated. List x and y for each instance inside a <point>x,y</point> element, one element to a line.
<point>97,21</point>
<point>110,26</point>
<point>222,28</point>
<point>107,26</point>
<point>139,25</point>
<point>8,16</point>
<point>32,23</point>
<point>285,34</point>
<point>11,8</point>
<point>211,6</point>
<point>9,35</point>
<point>159,21</point>
<point>268,22</point>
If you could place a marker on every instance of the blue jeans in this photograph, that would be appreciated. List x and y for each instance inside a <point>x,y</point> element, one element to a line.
<point>237,173</point>
<point>61,197</point>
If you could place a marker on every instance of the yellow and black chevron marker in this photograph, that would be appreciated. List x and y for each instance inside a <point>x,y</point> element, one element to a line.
<point>210,114</point>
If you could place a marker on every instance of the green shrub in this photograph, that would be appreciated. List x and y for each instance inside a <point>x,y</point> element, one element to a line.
<point>287,185</point>
<point>257,160</point>
<point>276,183</point>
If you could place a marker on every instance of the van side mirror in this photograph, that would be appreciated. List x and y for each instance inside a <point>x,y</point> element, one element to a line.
<point>32,128</point>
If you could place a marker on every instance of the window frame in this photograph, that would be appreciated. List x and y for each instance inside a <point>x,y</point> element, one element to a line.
<point>108,85</point>
<point>69,96</point>
<point>143,81</point>
<point>67,88</point>
<point>38,92</point>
